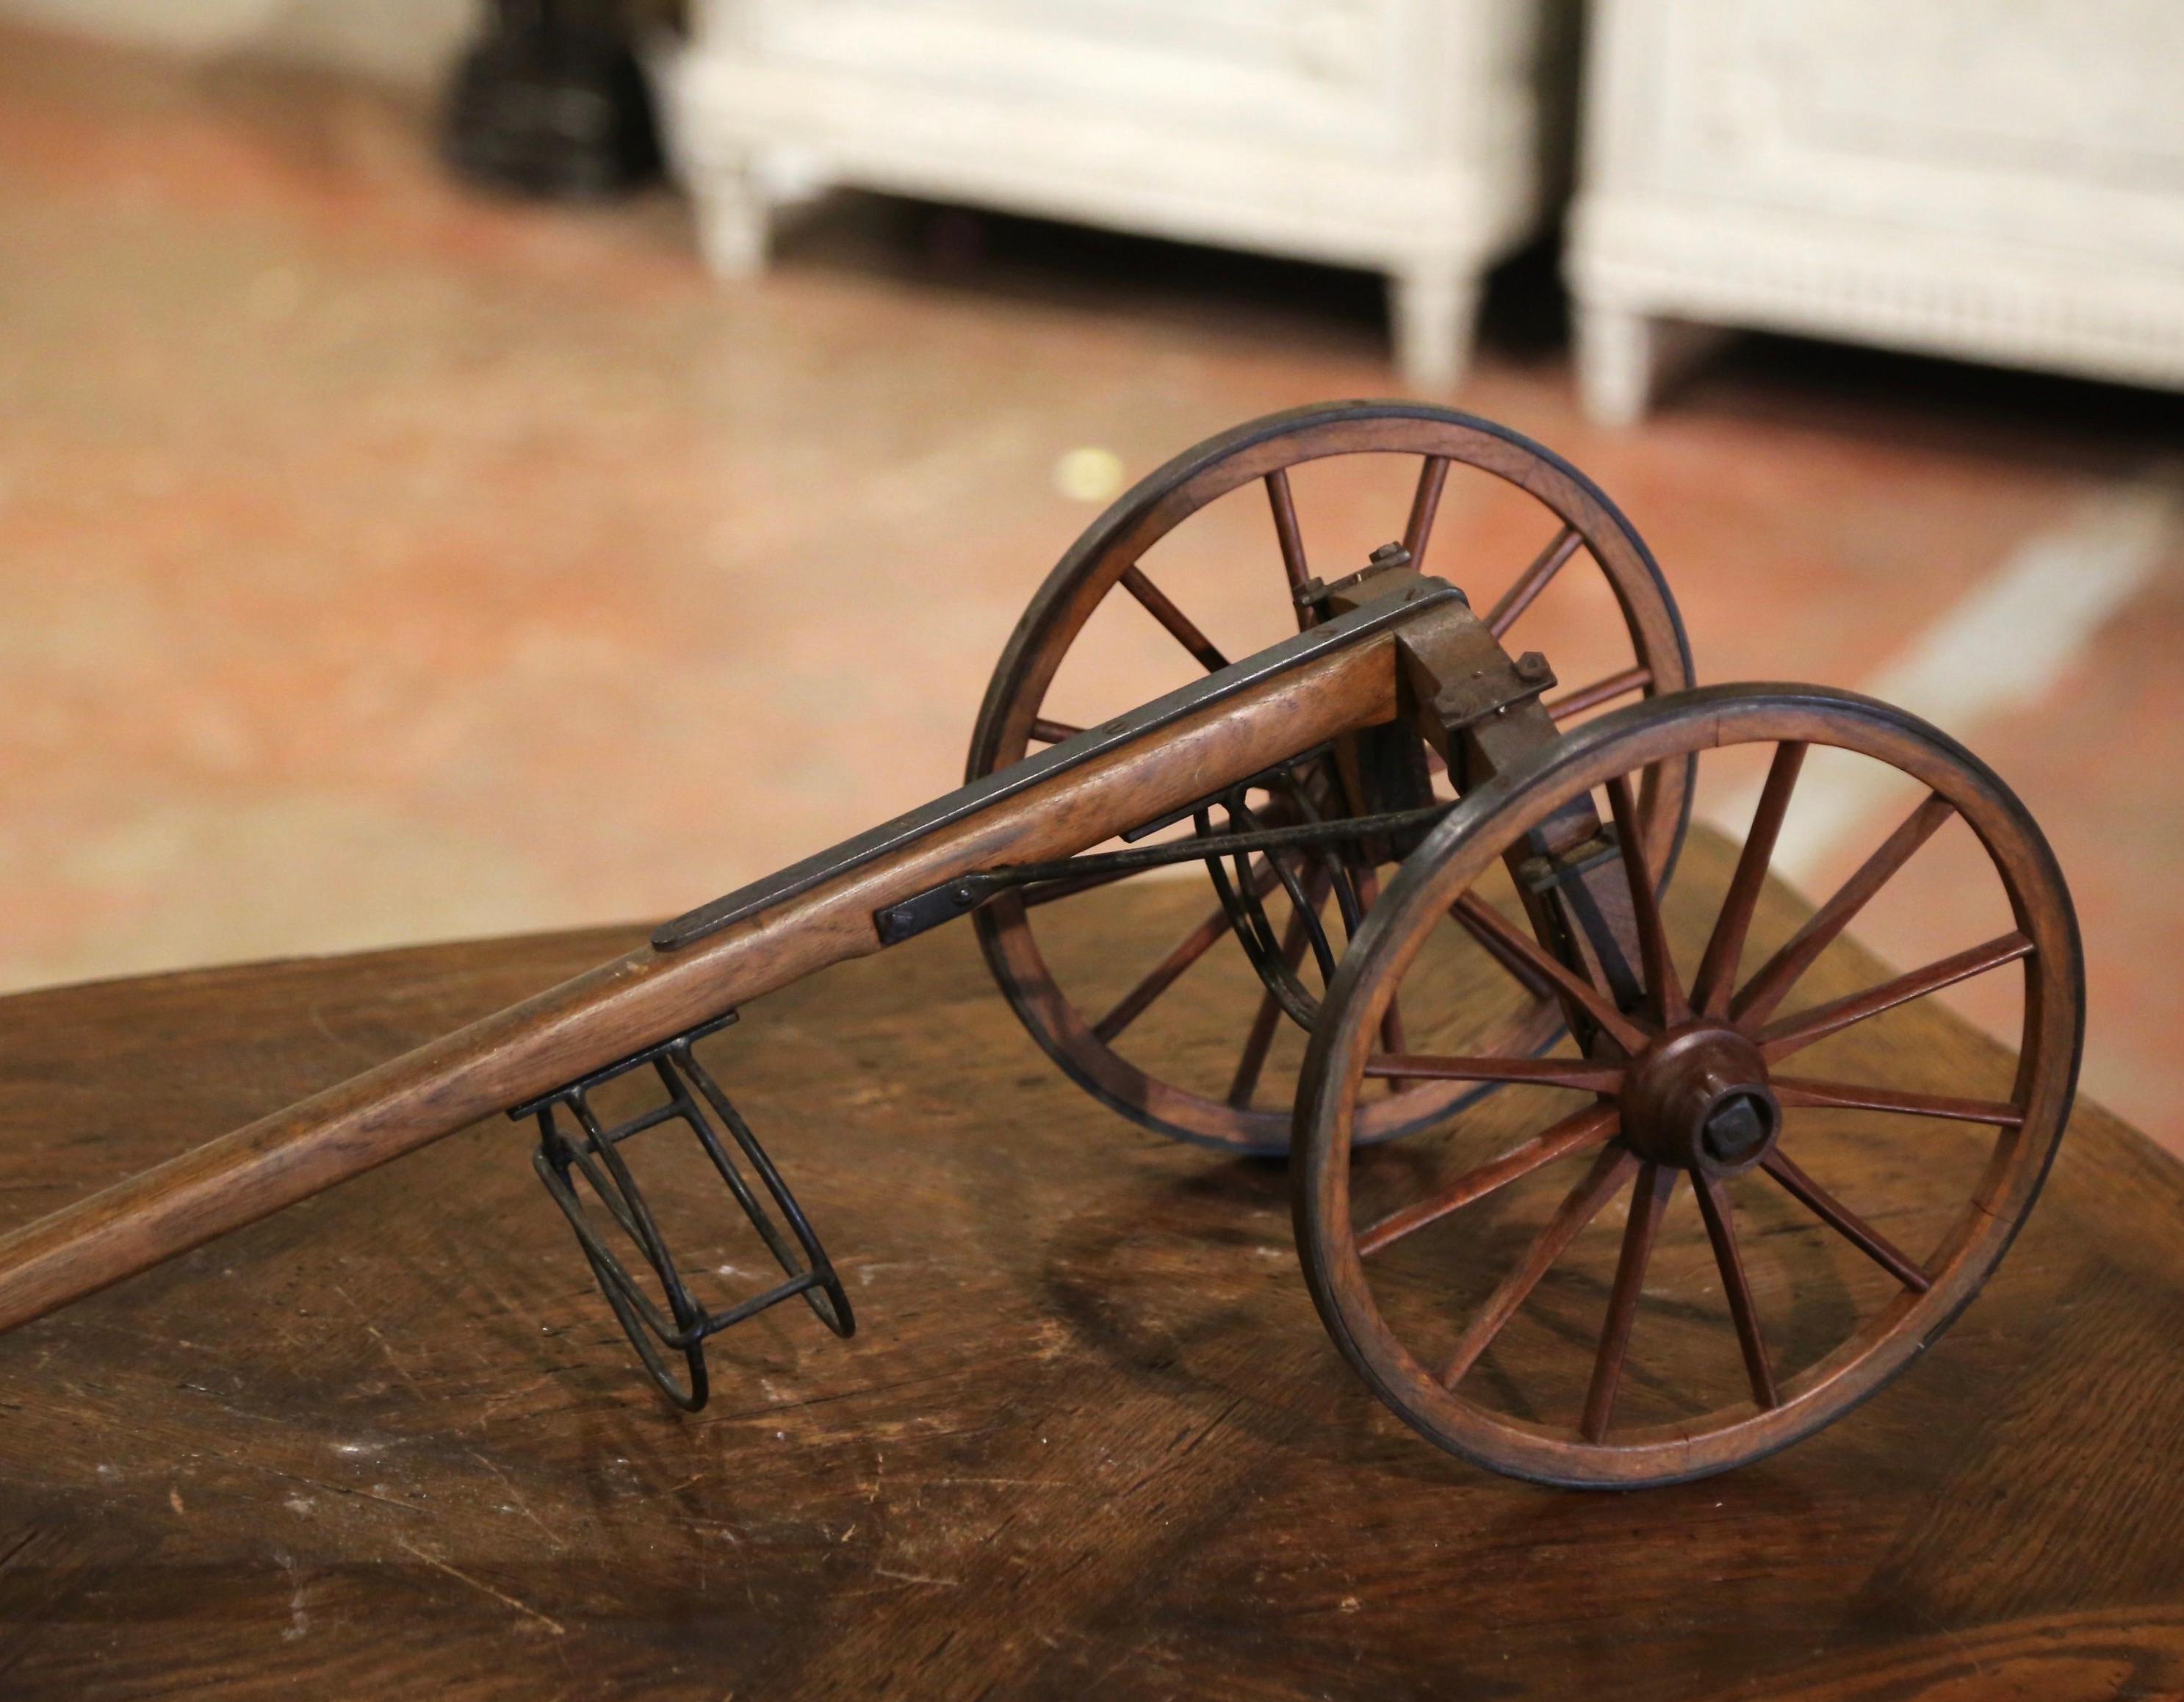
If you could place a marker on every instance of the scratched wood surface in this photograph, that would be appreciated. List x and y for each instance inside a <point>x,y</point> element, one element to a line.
<point>1088,1440</point>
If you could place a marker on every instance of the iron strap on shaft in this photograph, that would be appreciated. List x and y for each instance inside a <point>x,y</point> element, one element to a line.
<point>966,892</point>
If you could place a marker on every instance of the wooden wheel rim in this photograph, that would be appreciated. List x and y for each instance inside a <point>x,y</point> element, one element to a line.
<point>1149,511</point>
<point>1461,850</point>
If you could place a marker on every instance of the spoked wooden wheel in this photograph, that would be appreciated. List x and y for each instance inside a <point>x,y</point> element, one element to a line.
<point>1579,525</point>
<point>1775,1303</point>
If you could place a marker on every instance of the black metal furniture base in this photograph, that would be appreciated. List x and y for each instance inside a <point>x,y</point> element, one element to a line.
<point>582,1148</point>
<point>550,101</point>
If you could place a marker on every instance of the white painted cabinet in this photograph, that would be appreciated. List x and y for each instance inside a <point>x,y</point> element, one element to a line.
<point>2003,182</point>
<point>1413,138</point>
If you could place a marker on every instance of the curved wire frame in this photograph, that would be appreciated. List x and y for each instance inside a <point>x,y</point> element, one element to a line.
<point>591,1150</point>
<point>1275,959</point>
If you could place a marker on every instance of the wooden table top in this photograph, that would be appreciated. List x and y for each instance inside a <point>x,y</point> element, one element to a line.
<point>1088,1439</point>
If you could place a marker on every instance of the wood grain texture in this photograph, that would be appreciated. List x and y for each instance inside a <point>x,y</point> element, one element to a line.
<point>1089,1438</point>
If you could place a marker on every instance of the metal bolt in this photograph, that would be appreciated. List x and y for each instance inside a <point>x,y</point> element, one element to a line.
<point>1738,1124</point>
<point>1391,555</point>
<point>1532,665</point>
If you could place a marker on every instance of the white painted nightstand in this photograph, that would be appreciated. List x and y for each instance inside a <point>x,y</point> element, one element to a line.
<point>2002,182</point>
<point>1412,138</point>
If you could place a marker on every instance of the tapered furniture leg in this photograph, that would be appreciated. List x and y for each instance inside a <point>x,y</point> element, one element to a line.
<point>1433,311</point>
<point>735,221</point>
<point>1624,357</point>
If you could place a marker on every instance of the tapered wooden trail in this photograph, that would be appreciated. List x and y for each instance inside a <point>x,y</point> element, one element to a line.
<point>1076,795</point>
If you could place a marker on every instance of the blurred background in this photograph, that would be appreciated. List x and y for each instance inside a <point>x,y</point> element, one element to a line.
<point>468,470</point>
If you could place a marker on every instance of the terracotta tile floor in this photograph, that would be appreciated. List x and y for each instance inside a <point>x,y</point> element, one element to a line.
<point>380,562</point>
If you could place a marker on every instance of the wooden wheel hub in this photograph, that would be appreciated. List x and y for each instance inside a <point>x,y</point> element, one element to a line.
<point>1698,1098</point>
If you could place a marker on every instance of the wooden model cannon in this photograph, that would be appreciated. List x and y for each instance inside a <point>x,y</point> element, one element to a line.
<point>1531,842</point>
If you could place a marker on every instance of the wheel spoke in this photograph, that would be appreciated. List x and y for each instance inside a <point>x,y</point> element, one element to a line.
<point>1392,1037</point>
<point>1724,950</point>
<point>1257,1043</point>
<point>1661,987</point>
<point>1539,1072</point>
<point>1264,1021</point>
<point>1530,979</point>
<point>1794,1033</point>
<point>1846,1222</point>
<point>1180,625</point>
<point>1286,533</point>
<point>1720,1215</point>
<point>1768,988</point>
<point>1580,1206</point>
<point>1391,1020</point>
<point>1163,974</point>
<point>1488,924</point>
<point>1847,1096</point>
<point>1533,580</point>
<point>1599,692</point>
<point>1425,503</point>
<point>1649,1199</point>
<point>1580,1129</point>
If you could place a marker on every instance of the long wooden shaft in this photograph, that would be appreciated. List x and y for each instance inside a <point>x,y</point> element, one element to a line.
<point>650,995</point>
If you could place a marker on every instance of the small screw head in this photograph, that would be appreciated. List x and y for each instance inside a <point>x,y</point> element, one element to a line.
<point>1532,665</point>
<point>962,896</point>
